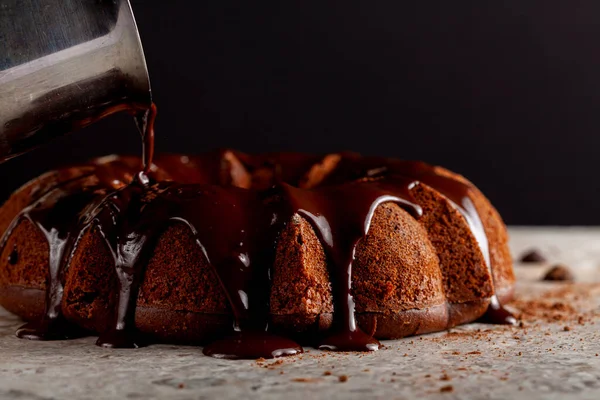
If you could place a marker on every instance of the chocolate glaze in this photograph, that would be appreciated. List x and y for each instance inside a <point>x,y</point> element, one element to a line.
<point>236,229</point>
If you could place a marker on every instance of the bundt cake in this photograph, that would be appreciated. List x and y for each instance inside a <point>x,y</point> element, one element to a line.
<point>251,254</point>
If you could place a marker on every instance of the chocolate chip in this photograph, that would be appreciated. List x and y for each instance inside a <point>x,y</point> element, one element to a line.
<point>533,256</point>
<point>559,272</point>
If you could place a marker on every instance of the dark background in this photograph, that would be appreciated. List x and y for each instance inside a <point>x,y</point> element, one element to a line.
<point>506,93</point>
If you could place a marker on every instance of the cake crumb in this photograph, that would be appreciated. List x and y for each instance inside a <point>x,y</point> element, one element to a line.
<point>305,380</point>
<point>273,364</point>
<point>327,373</point>
<point>447,389</point>
<point>181,385</point>
<point>445,377</point>
<point>343,378</point>
<point>566,328</point>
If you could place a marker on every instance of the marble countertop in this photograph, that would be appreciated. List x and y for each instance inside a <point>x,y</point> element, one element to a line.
<point>553,355</point>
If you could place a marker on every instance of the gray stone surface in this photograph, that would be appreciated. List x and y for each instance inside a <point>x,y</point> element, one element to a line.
<point>554,355</point>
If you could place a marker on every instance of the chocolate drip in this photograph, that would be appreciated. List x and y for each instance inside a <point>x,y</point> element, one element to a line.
<point>497,314</point>
<point>341,216</point>
<point>128,236</point>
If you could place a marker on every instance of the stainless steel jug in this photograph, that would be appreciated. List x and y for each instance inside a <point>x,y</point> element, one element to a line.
<point>63,65</point>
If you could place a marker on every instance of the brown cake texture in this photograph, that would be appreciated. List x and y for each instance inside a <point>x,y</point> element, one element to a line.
<point>410,275</point>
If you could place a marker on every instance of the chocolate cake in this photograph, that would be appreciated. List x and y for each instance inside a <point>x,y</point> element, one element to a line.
<point>251,254</point>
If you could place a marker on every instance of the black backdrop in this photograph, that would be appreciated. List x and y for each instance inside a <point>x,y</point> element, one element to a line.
<point>504,92</point>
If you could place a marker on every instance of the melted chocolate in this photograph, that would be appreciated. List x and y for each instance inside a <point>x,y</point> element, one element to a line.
<point>252,345</point>
<point>145,122</point>
<point>497,314</point>
<point>235,229</point>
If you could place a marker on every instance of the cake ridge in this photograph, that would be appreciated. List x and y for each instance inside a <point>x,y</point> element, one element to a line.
<point>323,210</point>
<point>61,241</point>
<point>354,166</point>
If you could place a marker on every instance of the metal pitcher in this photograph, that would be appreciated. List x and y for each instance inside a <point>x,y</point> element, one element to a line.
<point>63,65</point>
